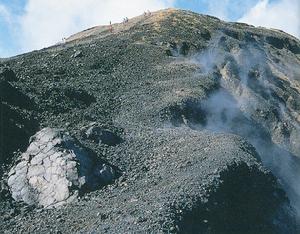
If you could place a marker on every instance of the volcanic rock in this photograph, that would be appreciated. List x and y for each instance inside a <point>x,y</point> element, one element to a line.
<point>7,74</point>
<point>209,112</point>
<point>13,96</point>
<point>77,54</point>
<point>54,169</point>
<point>101,135</point>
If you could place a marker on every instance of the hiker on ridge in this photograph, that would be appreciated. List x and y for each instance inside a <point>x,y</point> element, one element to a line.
<point>110,27</point>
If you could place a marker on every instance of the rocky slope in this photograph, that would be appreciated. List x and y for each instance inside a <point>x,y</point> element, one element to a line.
<point>187,124</point>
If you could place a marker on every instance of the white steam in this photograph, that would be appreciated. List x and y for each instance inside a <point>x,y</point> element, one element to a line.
<point>239,107</point>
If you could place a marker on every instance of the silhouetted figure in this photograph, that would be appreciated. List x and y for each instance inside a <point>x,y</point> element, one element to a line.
<point>110,27</point>
<point>125,20</point>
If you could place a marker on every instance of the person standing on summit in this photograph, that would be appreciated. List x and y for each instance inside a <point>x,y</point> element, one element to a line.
<point>110,27</point>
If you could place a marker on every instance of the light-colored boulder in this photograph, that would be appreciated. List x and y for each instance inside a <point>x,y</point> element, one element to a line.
<point>55,168</point>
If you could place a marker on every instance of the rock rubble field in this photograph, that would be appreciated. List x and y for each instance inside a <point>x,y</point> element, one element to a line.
<point>170,123</point>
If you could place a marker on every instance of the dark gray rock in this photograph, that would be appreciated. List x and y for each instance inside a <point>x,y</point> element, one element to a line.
<point>7,74</point>
<point>13,96</point>
<point>101,135</point>
<point>181,171</point>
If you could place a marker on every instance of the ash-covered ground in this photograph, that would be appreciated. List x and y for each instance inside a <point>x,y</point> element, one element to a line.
<point>170,123</point>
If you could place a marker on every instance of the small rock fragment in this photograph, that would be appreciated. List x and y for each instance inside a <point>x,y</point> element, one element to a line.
<point>100,135</point>
<point>77,54</point>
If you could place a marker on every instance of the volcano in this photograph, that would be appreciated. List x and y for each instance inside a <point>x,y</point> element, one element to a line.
<point>172,122</point>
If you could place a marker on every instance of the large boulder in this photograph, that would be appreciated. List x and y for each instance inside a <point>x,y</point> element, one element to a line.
<point>55,168</point>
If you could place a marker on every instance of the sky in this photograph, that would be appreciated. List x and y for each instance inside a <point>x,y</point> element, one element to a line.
<point>27,25</point>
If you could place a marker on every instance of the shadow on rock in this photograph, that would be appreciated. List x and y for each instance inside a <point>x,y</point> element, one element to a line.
<point>16,129</point>
<point>13,96</point>
<point>236,207</point>
<point>101,135</point>
<point>59,99</point>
